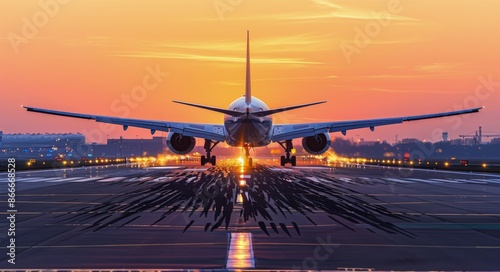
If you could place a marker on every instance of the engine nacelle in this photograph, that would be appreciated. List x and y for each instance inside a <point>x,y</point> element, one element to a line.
<point>318,144</point>
<point>180,144</point>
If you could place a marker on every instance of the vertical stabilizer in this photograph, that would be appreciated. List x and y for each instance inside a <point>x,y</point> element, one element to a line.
<point>248,87</point>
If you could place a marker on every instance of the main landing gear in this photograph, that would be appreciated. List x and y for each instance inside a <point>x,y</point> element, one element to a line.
<point>287,145</point>
<point>209,145</point>
<point>247,155</point>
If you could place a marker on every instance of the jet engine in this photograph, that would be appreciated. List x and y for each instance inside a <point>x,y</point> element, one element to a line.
<point>318,144</point>
<point>180,144</point>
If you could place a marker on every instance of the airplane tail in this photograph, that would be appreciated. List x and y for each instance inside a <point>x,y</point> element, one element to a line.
<point>248,87</point>
<point>248,96</point>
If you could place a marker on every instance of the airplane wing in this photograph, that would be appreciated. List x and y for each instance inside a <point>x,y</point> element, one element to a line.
<point>292,131</point>
<point>205,131</point>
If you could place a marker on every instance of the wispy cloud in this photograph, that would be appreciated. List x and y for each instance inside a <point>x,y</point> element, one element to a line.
<point>291,43</point>
<point>231,83</point>
<point>327,4</point>
<point>295,43</point>
<point>343,11</point>
<point>439,67</point>
<point>388,76</point>
<point>198,57</point>
<point>429,91</point>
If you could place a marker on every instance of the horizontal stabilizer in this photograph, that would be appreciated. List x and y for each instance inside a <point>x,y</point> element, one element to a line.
<point>269,112</point>
<point>224,111</point>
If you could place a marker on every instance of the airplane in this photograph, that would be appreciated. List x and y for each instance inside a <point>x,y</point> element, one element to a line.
<point>248,123</point>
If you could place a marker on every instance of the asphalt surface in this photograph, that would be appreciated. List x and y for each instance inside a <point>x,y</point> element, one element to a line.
<point>309,217</point>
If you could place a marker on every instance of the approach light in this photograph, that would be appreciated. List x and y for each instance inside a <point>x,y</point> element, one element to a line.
<point>243,183</point>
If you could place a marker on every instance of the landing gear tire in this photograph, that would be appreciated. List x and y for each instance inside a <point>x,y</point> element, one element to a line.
<point>287,145</point>
<point>247,155</point>
<point>209,145</point>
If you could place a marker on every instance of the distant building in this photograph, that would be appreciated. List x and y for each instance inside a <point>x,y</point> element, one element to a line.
<point>130,147</point>
<point>410,140</point>
<point>495,141</point>
<point>456,142</point>
<point>73,145</point>
<point>39,145</point>
<point>445,136</point>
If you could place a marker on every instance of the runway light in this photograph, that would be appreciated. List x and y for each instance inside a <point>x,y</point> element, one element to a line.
<point>243,183</point>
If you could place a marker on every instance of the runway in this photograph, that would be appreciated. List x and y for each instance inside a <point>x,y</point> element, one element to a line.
<point>300,218</point>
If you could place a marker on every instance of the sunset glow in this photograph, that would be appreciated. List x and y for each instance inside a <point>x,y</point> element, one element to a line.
<point>369,59</point>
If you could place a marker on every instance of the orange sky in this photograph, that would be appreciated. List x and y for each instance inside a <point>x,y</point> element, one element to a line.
<point>86,56</point>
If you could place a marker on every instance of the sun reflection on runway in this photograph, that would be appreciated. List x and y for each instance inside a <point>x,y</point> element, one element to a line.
<point>240,252</point>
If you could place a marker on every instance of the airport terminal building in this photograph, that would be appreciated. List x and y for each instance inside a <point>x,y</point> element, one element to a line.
<point>40,144</point>
<point>72,145</point>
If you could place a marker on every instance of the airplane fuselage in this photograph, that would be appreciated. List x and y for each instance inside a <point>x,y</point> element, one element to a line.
<point>248,130</point>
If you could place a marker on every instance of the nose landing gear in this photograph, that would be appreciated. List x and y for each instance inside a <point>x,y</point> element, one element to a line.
<point>247,155</point>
